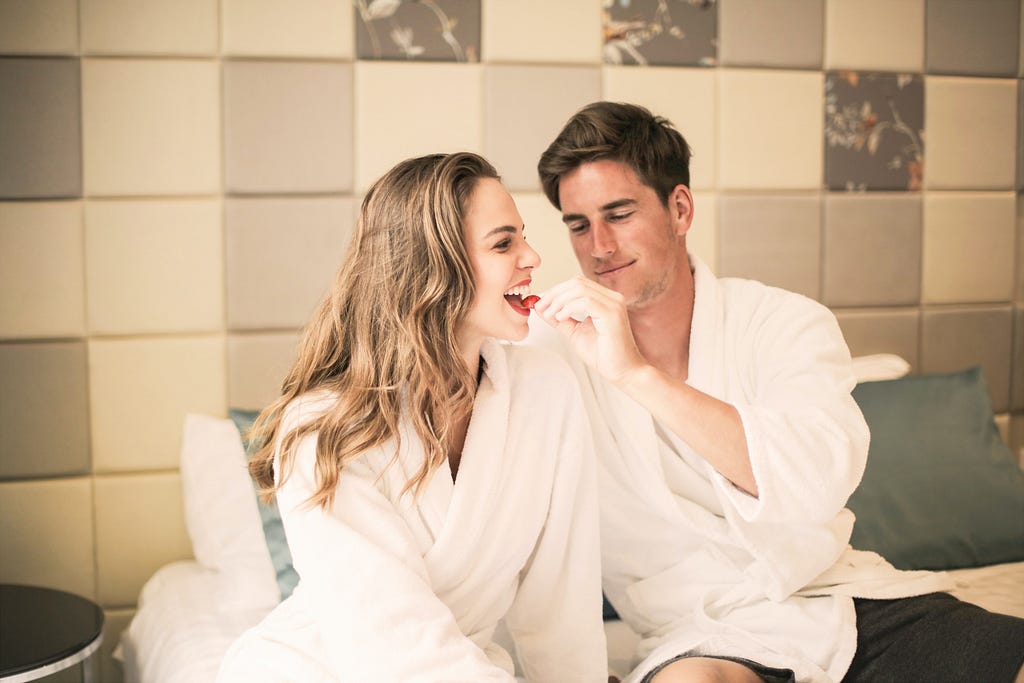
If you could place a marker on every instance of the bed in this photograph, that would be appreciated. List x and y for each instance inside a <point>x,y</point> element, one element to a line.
<point>941,491</point>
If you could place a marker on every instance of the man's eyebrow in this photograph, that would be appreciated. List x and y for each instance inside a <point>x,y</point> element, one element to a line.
<point>617,204</point>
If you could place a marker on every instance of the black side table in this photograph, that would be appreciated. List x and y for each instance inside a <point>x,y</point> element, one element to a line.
<point>43,631</point>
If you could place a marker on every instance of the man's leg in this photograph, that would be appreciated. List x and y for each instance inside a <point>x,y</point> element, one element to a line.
<point>935,638</point>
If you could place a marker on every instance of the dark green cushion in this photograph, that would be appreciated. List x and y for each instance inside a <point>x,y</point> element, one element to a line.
<point>273,528</point>
<point>941,490</point>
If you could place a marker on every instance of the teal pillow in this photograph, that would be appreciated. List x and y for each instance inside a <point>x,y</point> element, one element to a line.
<point>941,489</point>
<point>270,516</point>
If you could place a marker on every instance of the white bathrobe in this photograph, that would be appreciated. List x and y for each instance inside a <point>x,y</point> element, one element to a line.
<point>397,589</point>
<point>694,564</point>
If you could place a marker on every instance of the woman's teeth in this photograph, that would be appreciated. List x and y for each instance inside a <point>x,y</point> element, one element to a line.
<point>519,290</point>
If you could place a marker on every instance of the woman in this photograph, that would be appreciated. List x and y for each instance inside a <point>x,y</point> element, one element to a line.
<point>432,481</point>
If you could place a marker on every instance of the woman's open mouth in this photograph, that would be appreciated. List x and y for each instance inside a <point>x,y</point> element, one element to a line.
<point>520,299</point>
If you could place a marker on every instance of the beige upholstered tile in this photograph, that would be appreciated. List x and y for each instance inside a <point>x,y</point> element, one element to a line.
<point>287,126</point>
<point>41,278</point>
<point>44,413</point>
<point>140,391</point>
<point>970,122</point>
<point>115,623</point>
<point>154,266</point>
<point>39,27</point>
<point>549,237</point>
<point>398,113</point>
<point>140,526</point>
<point>872,251</point>
<point>968,247</point>
<point>282,255</point>
<point>770,133</point>
<point>772,238</point>
<point>962,337</point>
<point>874,35</point>
<point>970,37</point>
<point>46,532</point>
<point>257,365</point>
<point>702,239</point>
<point>870,331</point>
<point>525,107</point>
<point>783,33</point>
<point>40,148</point>
<point>150,127</point>
<point>269,28</point>
<point>695,115</point>
<point>1017,361</point>
<point>181,27</point>
<point>565,32</point>
<point>1020,247</point>
<point>1017,437</point>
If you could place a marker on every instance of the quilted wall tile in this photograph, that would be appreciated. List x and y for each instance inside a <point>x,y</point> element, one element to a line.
<point>140,526</point>
<point>883,331</point>
<point>154,266</point>
<point>968,253</point>
<point>59,511</point>
<point>874,131</point>
<point>695,115</point>
<point>282,255</point>
<point>1017,361</point>
<point>957,338</point>
<point>1020,134</point>
<point>269,28</point>
<point>517,128</point>
<point>875,35</point>
<point>1020,248</point>
<point>702,239</point>
<point>287,127</point>
<point>970,123</point>
<point>549,237</point>
<point>970,37</point>
<point>650,32</point>
<point>44,415</point>
<point>770,129</point>
<point>772,238</point>
<point>422,123</point>
<point>41,270</point>
<point>257,365</point>
<point>872,254</point>
<point>540,31</point>
<point>183,27</point>
<point>139,393</point>
<point>39,27</point>
<point>443,31</point>
<point>40,142</point>
<point>785,33</point>
<point>150,127</point>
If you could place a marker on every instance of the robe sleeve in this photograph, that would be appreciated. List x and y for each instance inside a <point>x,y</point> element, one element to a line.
<point>362,573</point>
<point>556,620</point>
<point>806,436</point>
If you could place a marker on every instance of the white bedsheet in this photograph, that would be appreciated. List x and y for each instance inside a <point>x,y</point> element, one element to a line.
<point>182,630</point>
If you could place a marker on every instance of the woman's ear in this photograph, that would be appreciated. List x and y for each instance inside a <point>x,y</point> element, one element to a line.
<point>680,204</point>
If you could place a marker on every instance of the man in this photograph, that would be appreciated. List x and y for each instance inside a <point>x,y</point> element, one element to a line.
<point>729,444</point>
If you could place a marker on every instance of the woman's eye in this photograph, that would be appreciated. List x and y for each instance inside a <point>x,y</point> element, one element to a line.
<point>503,245</point>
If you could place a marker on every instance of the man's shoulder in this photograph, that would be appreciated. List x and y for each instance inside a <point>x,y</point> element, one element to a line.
<point>760,299</point>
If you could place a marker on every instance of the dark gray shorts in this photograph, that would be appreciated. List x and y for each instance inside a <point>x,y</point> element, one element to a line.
<point>932,638</point>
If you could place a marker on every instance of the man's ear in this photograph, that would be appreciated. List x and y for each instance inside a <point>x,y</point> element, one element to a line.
<point>680,205</point>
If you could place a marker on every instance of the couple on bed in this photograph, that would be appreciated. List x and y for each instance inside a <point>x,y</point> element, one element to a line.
<point>687,441</point>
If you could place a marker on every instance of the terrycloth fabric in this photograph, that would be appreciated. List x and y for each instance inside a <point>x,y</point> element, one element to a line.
<point>693,563</point>
<point>394,588</point>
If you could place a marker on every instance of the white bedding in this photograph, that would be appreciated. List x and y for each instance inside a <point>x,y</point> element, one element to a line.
<point>183,627</point>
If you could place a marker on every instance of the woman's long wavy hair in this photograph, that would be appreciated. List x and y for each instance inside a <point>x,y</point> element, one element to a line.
<point>384,339</point>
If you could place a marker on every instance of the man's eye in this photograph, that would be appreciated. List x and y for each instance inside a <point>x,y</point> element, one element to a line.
<point>577,228</point>
<point>620,216</point>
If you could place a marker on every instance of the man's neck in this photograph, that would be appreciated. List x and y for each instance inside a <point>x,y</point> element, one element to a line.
<point>661,328</point>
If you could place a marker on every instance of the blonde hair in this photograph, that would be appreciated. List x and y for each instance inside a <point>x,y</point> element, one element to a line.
<point>384,338</point>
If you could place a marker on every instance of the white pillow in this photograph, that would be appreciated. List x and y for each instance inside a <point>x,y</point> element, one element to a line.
<point>879,366</point>
<point>221,515</point>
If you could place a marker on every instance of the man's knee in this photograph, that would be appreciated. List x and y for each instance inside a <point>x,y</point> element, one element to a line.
<point>705,670</point>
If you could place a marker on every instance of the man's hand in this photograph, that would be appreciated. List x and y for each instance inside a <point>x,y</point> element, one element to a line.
<point>594,320</point>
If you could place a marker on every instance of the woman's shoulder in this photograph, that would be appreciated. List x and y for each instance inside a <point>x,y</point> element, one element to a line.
<point>306,408</point>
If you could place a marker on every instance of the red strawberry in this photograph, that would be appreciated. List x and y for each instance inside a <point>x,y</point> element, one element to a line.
<point>530,301</point>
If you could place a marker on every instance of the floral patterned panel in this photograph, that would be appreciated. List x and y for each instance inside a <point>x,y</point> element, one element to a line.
<point>874,131</point>
<point>422,30</point>
<point>660,32</point>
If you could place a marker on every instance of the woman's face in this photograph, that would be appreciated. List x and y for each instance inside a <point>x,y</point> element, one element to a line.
<point>502,263</point>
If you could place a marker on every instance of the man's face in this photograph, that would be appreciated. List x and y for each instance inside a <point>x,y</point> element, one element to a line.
<point>623,236</point>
